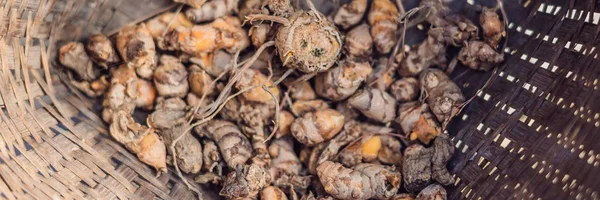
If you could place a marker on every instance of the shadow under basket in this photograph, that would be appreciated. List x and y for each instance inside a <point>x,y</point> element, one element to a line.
<point>530,132</point>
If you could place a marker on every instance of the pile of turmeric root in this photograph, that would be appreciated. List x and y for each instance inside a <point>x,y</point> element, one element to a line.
<point>268,101</point>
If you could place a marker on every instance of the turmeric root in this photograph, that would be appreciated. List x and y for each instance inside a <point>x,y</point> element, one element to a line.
<point>430,52</point>
<point>272,193</point>
<point>493,28</point>
<point>72,55</point>
<point>416,167</point>
<point>170,124</point>
<point>252,77</point>
<point>171,77</point>
<point>342,81</point>
<point>301,107</point>
<point>364,151</point>
<point>234,146</point>
<point>245,181</point>
<point>214,63</point>
<point>316,127</point>
<point>382,18</point>
<point>358,42</point>
<point>137,48</point>
<point>285,122</point>
<point>405,89</point>
<point>390,151</point>
<point>192,3</point>
<point>101,51</point>
<point>145,94</point>
<point>443,96</point>
<point>382,76</point>
<point>403,196</point>
<point>375,104</point>
<point>95,88</point>
<point>301,91</point>
<point>364,181</point>
<point>210,10</point>
<point>200,82</point>
<point>306,40</point>
<point>479,56</point>
<point>425,129</point>
<point>432,192</point>
<point>223,33</point>
<point>443,150</point>
<point>284,159</point>
<point>210,156</point>
<point>140,140</point>
<point>350,14</point>
<point>161,24</point>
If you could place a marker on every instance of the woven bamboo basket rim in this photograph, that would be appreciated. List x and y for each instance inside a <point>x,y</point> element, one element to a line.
<point>530,132</point>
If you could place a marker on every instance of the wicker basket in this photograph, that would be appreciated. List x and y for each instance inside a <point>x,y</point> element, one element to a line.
<point>530,132</point>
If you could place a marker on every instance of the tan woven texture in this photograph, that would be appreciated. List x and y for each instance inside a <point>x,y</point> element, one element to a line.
<point>530,132</point>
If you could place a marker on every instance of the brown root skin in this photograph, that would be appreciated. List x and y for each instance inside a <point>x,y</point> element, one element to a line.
<point>443,95</point>
<point>95,88</point>
<point>403,196</point>
<point>252,77</point>
<point>346,110</point>
<point>375,104</point>
<point>364,181</point>
<point>406,89</point>
<point>364,151</point>
<point>432,192</point>
<point>272,193</point>
<point>101,51</point>
<point>382,77</point>
<point>382,18</point>
<point>425,129</point>
<point>443,151</point>
<point>282,8</point>
<point>118,98</point>
<point>308,42</point>
<point>245,181</point>
<point>430,52</point>
<point>316,127</point>
<point>192,3</point>
<point>210,156</point>
<point>493,27</point>
<point>408,115</point>
<point>284,159</point>
<point>259,33</point>
<point>137,48</point>
<point>223,33</point>
<point>329,151</point>
<point>479,56</point>
<point>248,113</point>
<point>350,14</point>
<point>171,78</point>
<point>73,56</point>
<point>145,94</point>
<point>390,151</point>
<point>342,81</point>
<point>301,91</point>
<point>138,139</point>
<point>170,123</point>
<point>210,10</point>
<point>233,145</point>
<point>285,122</point>
<point>302,107</point>
<point>416,167</point>
<point>200,82</point>
<point>161,24</point>
<point>214,63</point>
<point>358,42</point>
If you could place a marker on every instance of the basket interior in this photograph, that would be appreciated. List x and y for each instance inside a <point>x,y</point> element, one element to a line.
<point>530,132</point>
